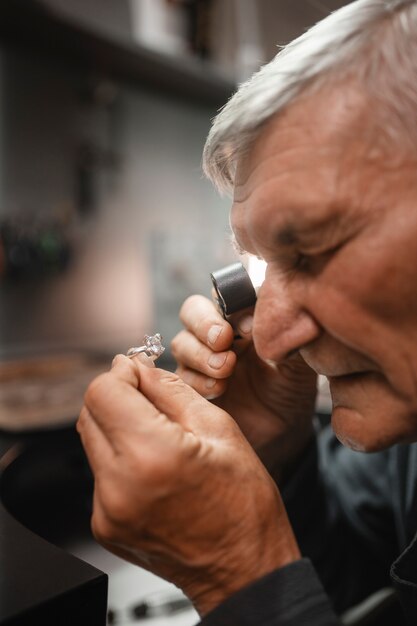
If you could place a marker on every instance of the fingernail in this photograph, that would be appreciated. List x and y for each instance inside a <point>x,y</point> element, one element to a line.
<point>216,361</point>
<point>213,334</point>
<point>245,325</point>
<point>210,382</point>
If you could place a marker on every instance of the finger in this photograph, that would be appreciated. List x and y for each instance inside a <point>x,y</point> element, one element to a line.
<point>97,447</point>
<point>200,316</point>
<point>191,353</point>
<point>243,323</point>
<point>209,388</point>
<point>111,535</point>
<point>116,404</point>
<point>121,364</point>
<point>182,404</point>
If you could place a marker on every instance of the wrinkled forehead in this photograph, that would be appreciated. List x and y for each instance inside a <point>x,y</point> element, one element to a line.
<point>319,121</point>
<point>305,158</point>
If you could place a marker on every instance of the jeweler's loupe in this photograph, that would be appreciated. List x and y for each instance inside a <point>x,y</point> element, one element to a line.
<point>234,289</point>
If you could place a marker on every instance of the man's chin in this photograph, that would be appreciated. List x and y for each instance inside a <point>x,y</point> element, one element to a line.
<point>368,415</point>
<point>369,433</point>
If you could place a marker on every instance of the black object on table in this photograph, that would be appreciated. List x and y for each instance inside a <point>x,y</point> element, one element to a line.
<point>40,583</point>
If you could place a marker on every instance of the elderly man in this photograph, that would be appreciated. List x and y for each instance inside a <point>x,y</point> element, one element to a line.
<point>319,149</point>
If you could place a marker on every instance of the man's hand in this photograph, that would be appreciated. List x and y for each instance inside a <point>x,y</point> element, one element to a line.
<point>178,490</point>
<point>273,404</point>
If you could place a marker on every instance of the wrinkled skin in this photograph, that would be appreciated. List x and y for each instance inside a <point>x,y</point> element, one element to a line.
<point>273,404</point>
<point>329,204</point>
<point>331,207</point>
<point>178,490</point>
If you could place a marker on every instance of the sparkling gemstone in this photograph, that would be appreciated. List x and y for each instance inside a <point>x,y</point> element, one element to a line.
<point>154,344</point>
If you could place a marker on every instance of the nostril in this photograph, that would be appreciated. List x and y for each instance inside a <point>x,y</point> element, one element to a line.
<point>284,336</point>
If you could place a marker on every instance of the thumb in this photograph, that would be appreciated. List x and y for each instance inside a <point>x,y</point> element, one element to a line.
<point>181,404</point>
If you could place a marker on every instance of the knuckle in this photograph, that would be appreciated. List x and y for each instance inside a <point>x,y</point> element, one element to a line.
<point>194,300</point>
<point>166,377</point>
<point>82,418</point>
<point>97,390</point>
<point>189,304</point>
<point>173,381</point>
<point>103,531</point>
<point>115,507</point>
<point>157,472</point>
<point>201,357</point>
<point>177,342</point>
<point>182,372</point>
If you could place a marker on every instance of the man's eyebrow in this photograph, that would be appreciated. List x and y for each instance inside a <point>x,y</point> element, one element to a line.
<point>286,236</point>
<point>291,234</point>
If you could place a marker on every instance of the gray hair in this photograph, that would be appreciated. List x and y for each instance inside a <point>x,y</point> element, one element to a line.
<point>373,40</point>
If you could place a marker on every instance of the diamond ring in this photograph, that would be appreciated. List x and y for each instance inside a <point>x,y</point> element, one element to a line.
<point>152,347</point>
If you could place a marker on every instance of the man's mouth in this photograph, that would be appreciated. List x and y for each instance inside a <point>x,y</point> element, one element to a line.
<point>349,377</point>
<point>344,389</point>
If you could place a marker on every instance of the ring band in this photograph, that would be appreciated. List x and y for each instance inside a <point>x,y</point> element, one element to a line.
<point>152,347</point>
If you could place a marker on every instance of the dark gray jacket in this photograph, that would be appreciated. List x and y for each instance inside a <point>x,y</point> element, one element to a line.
<point>355,517</point>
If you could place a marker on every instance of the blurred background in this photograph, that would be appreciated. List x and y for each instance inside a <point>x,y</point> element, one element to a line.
<point>106,223</point>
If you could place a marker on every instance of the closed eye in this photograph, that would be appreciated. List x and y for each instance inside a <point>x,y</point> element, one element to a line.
<point>303,263</point>
<point>314,263</point>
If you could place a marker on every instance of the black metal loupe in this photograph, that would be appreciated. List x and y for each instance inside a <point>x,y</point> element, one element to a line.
<point>234,289</point>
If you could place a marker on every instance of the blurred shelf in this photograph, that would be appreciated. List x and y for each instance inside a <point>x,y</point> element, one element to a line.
<point>28,24</point>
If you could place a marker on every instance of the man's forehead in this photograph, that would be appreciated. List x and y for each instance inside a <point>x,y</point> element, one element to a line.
<point>286,188</point>
<point>285,227</point>
<point>302,165</point>
<point>313,124</point>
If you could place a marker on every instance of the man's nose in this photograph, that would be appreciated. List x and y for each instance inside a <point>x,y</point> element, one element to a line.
<point>282,324</point>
